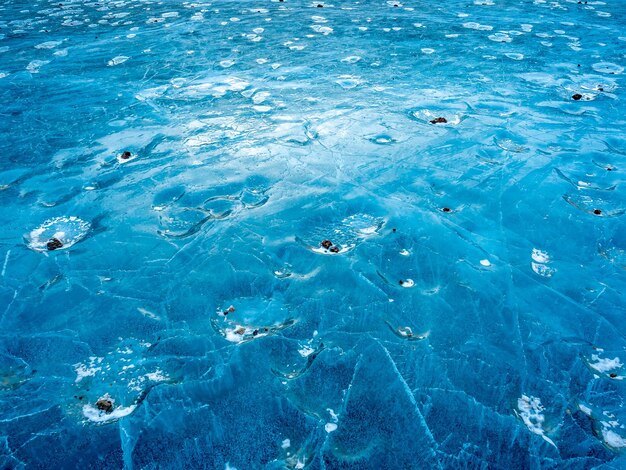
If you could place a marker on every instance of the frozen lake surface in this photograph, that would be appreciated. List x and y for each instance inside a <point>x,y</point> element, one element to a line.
<point>283,234</point>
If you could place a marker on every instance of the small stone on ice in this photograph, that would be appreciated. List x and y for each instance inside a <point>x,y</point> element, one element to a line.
<point>485,262</point>
<point>105,404</point>
<point>53,244</point>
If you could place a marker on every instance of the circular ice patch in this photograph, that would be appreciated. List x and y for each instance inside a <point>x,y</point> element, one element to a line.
<point>67,230</point>
<point>510,146</point>
<point>348,81</point>
<point>249,318</point>
<point>382,139</point>
<point>477,26</point>
<point>343,236</point>
<point>120,59</point>
<point>608,67</point>
<point>500,37</point>
<point>124,376</point>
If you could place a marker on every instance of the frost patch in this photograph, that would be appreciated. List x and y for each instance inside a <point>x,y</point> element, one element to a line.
<point>88,370</point>
<point>477,26</point>
<point>120,59</point>
<point>604,365</point>
<point>530,410</point>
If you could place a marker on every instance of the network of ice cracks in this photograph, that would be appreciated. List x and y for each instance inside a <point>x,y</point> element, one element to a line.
<point>293,267</point>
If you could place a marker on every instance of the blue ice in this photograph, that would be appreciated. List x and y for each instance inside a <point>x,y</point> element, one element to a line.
<point>292,234</point>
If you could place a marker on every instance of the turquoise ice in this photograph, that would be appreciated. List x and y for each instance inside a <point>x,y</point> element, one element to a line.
<point>359,234</point>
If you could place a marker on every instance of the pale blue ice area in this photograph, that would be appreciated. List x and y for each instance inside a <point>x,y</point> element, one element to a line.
<point>405,294</point>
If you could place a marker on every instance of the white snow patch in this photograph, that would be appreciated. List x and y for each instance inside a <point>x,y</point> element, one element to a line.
<point>89,370</point>
<point>120,59</point>
<point>477,26</point>
<point>95,415</point>
<point>156,376</point>
<point>540,256</point>
<point>605,365</point>
<point>530,411</point>
<point>612,439</point>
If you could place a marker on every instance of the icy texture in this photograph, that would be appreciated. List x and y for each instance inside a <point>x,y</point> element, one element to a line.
<point>464,160</point>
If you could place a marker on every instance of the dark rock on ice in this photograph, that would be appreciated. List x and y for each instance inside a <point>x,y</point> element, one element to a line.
<point>53,244</point>
<point>105,404</point>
